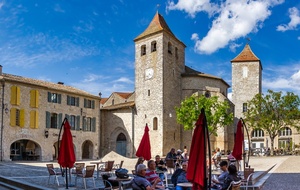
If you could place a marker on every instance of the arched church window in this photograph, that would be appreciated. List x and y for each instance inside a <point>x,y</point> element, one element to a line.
<point>285,132</point>
<point>176,52</point>
<point>169,47</point>
<point>155,123</point>
<point>113,102</point>
<point>153,46</point>
<point>143,50</point>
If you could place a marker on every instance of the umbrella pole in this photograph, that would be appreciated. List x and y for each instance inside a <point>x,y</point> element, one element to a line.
<point>67,187</point>
<point>207,180</point>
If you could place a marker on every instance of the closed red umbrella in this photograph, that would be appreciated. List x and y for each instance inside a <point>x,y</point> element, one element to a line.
<point>238,142</point>
<point>197,170</point>
<point>144,149</point>
<point>66,155</point>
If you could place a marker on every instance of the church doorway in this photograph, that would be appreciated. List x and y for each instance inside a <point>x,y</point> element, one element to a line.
<point>121,147</point>
<point>87,150</point>
<point>25,150</point>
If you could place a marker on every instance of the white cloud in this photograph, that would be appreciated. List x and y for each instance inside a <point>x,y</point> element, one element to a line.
<point>233,47</point>
<point>233,19</point>
<point>58,8</point>
<point>192,7</point>
<point>124,80</point>
<point>295,20</point>
<point>298,37</point>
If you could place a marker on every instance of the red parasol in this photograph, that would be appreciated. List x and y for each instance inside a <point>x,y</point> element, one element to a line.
<point>238,142</point>
<point>66,155</point>
<point>144,149</point>
<point>197,171</point>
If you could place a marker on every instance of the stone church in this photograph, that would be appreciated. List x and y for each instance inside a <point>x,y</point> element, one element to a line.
<point>162,81</point>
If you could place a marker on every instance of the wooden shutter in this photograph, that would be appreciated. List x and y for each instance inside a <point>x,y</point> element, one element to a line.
<point>13,95</point>
<point>85,102</point>
<point>49,96</point>
<point>59,98</point>
<point>18,95</point>
<point>59,120</point>
<point>68,100</point>
<point>13,117</point>
<point>93,104</point>
<point>22,118</point>
<point>34,98</point>
<point>77,123</point>
<point>48,119</point>
<point>34,119</point>
<point>93,124</point>
<point>77,102</point>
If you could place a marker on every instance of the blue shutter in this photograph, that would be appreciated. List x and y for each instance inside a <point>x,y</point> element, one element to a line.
<point>77,122</point>
<point>48,120</point>
<point>85,103</point>
<point>93,104</point>
<point>49,96</point>
<point>77,102</point>
<point>59,98</point>
<point>59,120</point>
<point>68,100</point>
<point>94,124</point>
<point>84,123</point>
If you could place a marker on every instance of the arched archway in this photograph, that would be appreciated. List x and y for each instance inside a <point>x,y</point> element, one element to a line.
<point>55,150</point>
<point>121,144</point>
<point>87,150</point>
<point>25,149</point>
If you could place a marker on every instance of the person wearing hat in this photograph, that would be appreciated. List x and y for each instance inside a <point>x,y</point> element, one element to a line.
<point>139,182</point>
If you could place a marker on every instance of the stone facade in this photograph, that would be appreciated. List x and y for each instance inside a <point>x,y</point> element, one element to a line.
<point>21,140</point>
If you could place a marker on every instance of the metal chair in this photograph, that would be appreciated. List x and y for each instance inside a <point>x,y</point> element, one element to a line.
<point>88,173</point>
<point>53,172</point>
<point>107,167</point>
<point>235,185</point>
<point>249,179</point>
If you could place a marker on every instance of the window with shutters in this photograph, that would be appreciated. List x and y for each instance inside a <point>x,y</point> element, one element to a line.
<point>72,101</point>
<point>89,103</point>
<point>53,123</point>
<point>15,95</point>
<point>88,124</point>
<point>17,117</point>
<point>72,122</point>
<point>34,119</point>
<point>34,98</point>
<point>54,97</point>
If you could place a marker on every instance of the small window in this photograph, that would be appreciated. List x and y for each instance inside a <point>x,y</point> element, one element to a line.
<point>89,103</point>
<point>170,48</point>
<point>72,101</point>
<point>176,52</point>
<point>155,123</point>
<point>153,46</point>
<point>54,97</point>
<point>53,121</point>
<point>207,94</point>
<point>285,132</point>
<point>143,50</point>
<point>245,107</point>
<point>113,102</point>
<point>73,122</point>
<point>148,92</point>
<point>257,133</point>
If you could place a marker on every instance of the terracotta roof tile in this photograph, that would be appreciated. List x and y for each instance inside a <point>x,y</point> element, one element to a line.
<point>158,24</point>
<point>124,95</point>
<point>119,106</point>
<point>47,85</point>
<point>246,55</point>
<point>103,100</point>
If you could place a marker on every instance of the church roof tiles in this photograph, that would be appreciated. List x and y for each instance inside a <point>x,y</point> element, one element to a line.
<point>246,55</point>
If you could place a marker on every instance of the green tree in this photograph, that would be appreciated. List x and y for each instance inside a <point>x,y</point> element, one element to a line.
<point>217,112</point>
<point>273,112</point>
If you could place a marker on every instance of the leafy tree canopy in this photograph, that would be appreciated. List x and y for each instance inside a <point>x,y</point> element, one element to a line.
<point>217,112</point>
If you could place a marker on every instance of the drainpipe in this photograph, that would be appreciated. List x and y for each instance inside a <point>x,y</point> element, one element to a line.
<point>2,115</point>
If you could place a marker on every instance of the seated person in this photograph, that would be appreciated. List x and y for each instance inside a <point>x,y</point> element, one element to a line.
<point>181,178</point>
<point>139,161</point>
<point>172,155</point>
<point>139,182</point>
<point>160,166</point>
<point>218,183</point>
<point>151,175</point>
<point>232,176</point>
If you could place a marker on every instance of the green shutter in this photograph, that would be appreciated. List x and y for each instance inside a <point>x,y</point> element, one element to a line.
<point>48,120</point>
<point>59,98</point>
<point>77,123</point>
<point>49,96</point>
<point>68,100</point>
<point>77,102</point>
<point>94,124</point>
<point>83,123</point>
<point>59,119</point>
<point>93,104</point>
<point>85,103</point>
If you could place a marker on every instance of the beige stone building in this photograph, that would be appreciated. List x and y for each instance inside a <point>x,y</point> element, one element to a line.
<point>162,81</point>
<point>32,114</point>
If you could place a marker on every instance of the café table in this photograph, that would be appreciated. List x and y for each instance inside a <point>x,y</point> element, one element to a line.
<point>185,185</point>
<point>98,163</point>
<point>119,180</point>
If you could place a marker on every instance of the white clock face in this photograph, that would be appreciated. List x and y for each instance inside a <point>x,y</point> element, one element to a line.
<point>149,73</point>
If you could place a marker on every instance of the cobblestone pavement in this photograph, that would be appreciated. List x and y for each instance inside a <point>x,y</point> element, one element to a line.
<point>285,175</point>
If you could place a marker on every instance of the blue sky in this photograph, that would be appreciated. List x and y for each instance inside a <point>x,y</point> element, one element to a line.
<point>89,44</point>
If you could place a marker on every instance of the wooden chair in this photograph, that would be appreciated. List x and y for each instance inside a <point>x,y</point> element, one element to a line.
<point>107,167</point>
<point>53,172</point>
<point>88,173</point>
<point>78,168</point>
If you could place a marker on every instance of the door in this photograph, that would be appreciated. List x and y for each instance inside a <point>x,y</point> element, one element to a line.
<point>121,144</point>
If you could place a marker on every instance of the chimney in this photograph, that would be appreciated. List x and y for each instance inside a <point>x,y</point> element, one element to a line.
<point>60,83</point>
